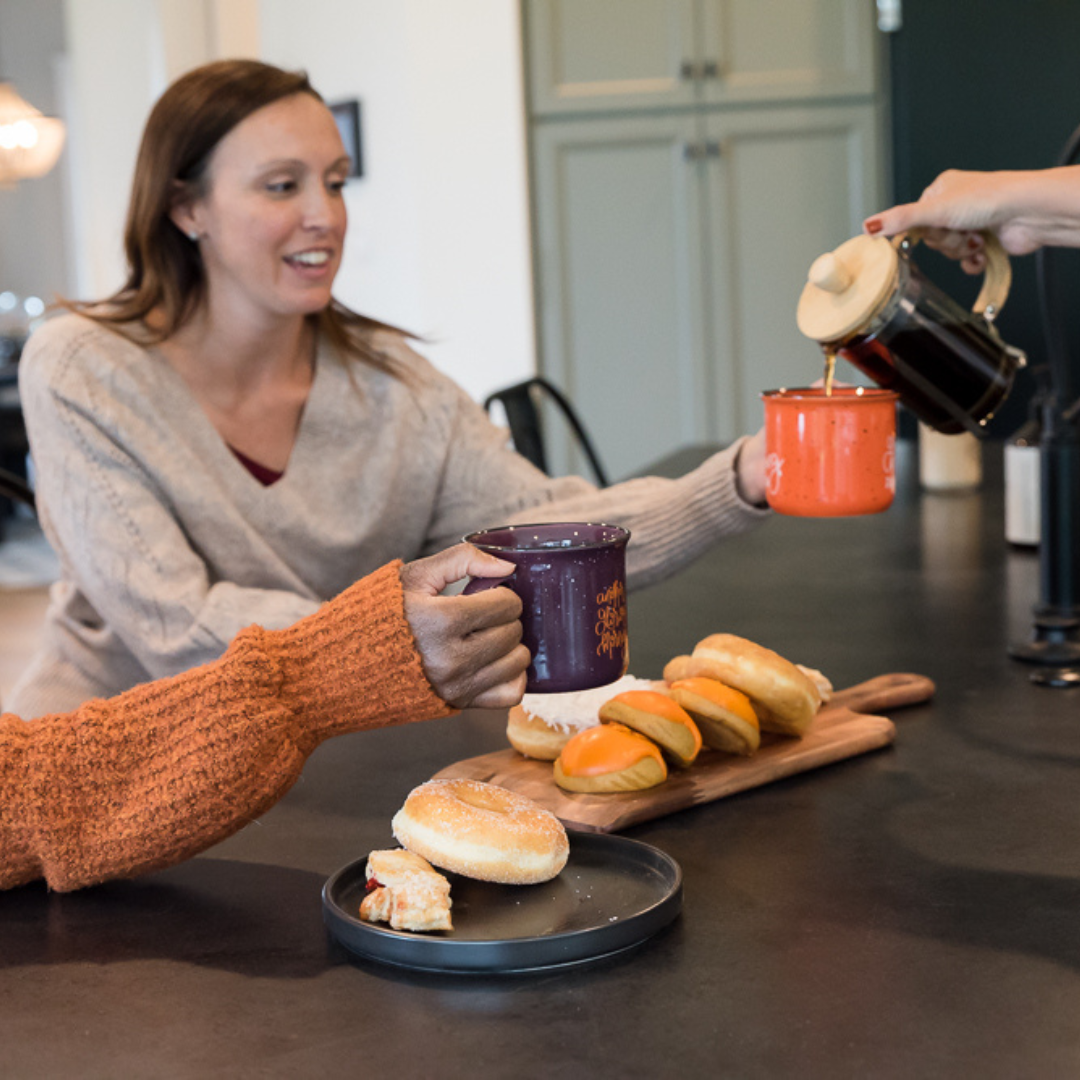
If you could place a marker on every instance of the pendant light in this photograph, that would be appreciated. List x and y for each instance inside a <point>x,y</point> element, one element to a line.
<point>30,143</point>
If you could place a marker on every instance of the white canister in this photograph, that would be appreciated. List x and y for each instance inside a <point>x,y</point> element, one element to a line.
<point>949,462</point>
<point>1023,479</point>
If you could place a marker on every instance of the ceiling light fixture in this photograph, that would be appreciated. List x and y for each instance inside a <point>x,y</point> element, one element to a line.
<point>30,143</point>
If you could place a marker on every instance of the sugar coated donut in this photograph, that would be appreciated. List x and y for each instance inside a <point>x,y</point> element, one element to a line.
<point>660,718</point>
<point>482,831</point>
<point>543,723</point>
<point>678,667</point>
<point>785,700</point>
<point>724,716</point>
<point>609,757</point>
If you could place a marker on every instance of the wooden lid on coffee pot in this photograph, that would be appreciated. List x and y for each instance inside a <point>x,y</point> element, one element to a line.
<point>846,287</point>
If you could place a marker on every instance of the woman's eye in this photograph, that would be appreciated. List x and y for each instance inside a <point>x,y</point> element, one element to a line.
<point>281,187</point>
<point>335,185</point>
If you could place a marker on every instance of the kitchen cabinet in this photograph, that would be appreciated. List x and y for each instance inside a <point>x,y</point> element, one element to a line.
<point>674,218</point>
<point>671,253</point>
<point>597,55</point>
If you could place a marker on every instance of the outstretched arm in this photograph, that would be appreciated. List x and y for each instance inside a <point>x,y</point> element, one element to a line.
<point>1027,209</point>
<point>156,775</point>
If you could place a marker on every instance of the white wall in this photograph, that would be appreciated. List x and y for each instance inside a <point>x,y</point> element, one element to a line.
<point>32,243</point>
<point>439,230</point>
<point>115,71</point>
<point>439,234</point>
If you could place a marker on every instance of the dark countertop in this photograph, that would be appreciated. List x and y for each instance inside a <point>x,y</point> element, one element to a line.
<point>913,912</point>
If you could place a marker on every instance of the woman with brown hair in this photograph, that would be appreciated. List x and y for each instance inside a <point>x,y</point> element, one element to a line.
<point>222,443</point>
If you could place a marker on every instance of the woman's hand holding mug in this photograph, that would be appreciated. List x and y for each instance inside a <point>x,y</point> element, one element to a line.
<point>470,646</point>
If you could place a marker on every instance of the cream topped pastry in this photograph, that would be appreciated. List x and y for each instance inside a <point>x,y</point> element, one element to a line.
<point>543,723</point>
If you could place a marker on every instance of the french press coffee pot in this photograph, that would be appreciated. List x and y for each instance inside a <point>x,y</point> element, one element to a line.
<point>869,303</point>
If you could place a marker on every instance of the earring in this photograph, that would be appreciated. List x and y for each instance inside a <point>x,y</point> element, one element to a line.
<point>193,236</point>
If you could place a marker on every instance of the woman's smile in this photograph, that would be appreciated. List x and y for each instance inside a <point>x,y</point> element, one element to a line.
<point>272,223</point>
<point>313,264</point>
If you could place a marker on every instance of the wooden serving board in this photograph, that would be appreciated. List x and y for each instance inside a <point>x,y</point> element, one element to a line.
<point>842,729</point>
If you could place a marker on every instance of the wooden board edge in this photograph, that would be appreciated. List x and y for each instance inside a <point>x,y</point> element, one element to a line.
<point>792,757</point>
<point>812,758</point>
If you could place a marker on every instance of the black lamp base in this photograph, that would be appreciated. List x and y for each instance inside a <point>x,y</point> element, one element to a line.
<point>1057,678</point>
<point>1056,642</point>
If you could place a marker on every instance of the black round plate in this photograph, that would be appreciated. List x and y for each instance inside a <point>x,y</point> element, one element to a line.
<point>613,893</point>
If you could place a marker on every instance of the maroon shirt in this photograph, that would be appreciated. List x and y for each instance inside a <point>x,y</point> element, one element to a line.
<point>261,473</point>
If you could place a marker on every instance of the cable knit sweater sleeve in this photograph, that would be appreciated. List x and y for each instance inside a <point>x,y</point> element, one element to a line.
<point>167,769</point>
<point>672,522</point>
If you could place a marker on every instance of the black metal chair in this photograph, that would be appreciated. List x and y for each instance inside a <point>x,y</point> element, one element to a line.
<point>14,445</point>
<point>16,489</point>
<point>522,403</point>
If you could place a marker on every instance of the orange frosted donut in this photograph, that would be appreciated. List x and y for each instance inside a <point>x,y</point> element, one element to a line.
<point>543,723</point>
<point>724,716</point>
<point>659,717</point>
<point>610,757</point>
<point>482,831</point>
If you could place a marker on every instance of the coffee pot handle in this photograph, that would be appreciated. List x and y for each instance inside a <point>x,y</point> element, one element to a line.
<point>997,278</point>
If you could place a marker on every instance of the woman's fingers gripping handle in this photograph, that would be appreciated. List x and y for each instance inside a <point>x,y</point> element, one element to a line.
<point>470,646</point>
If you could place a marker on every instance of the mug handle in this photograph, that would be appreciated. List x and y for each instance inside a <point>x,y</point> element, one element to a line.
<point>482,584</point>
<point>997,278</point>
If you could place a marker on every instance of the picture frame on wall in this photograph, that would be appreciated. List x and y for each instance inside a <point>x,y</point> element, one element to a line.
<point>347,116</point>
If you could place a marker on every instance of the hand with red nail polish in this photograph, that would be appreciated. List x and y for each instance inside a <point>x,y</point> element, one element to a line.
<point>1027,210</point>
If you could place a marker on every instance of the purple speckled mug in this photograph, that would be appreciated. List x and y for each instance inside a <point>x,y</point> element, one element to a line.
<point>571,578</point>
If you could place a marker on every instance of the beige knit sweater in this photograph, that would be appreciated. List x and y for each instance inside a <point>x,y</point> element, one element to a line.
<point>169,768</point>
<point>168,547</point>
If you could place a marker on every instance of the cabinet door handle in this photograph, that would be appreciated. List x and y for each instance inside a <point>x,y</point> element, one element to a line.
<point>707,69</point>
<point>699,151</point>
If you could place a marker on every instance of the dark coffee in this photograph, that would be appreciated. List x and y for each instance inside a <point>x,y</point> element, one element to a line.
<point>947,365</point>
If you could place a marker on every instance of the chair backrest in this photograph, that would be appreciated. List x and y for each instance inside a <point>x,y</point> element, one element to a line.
<point>521,403</point>
<point>16,489</point>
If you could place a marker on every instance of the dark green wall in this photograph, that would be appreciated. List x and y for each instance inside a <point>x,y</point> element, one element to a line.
<point>988,85</point>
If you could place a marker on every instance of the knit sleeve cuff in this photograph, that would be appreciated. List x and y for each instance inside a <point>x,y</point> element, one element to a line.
<point>690,515</point>
<point>18,862</point>
<point>717,491</point>
<point>354,663</point>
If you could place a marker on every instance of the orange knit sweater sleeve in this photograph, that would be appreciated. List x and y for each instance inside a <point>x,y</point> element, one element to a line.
<point>164,771</point>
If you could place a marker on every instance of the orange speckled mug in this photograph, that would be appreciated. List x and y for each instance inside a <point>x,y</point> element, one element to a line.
<point>830,455</point>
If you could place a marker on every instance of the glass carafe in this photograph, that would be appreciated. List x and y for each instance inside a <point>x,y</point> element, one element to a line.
<point>869,303</point>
